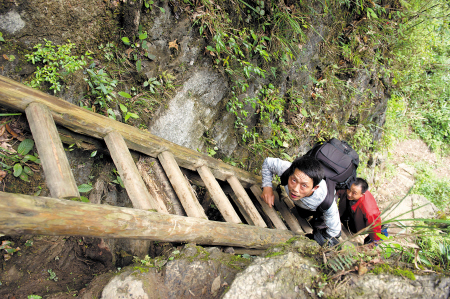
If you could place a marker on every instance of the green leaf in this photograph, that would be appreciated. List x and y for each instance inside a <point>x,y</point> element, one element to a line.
<point>304,113</point>
<point>84,199</point>
<point>25,147</point>
<point>24,177</point>
<point>84,188</point>
<point>93,153</point>
<point>30,158</point>
<point>111,114</point>
<point>143,36</point>
<point>123,108</point>
<point>27,170</point>
<point>162,9</point>
<point>1,37</point>
<point>126,40</point>
<point>17,169</point>
<point>138,65</point>
<point>10,250</point>
<point>133,115</point>
<point>124,94</point>
<point>151,56</point>
<point>120,182</point>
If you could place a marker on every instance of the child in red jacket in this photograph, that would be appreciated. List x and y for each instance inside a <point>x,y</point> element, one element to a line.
<point>358,210</point>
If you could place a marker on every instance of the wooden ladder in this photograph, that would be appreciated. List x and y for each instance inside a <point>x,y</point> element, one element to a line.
<point>43,110</point>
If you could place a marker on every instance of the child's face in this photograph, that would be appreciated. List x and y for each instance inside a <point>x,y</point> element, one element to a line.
<point>354,193</point>
<point>300,185</point>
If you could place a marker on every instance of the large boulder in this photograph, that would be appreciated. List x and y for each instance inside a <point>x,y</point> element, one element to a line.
<point>283,276</point>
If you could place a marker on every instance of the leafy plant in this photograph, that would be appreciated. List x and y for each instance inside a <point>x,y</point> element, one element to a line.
<point>126,113</point>
<point>34,297</point>
<point>117,179</point>
<point>1,37</point>
<point>340,262</point>
<point>21,167</point>
<point>57,62</point>
<point>152,84</point>
<point>6,245</point>
<point>52,275</point>
<point>138,49</point>
<point>101,89</point>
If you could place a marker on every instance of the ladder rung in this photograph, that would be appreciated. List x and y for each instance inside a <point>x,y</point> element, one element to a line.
<point>290,219</point>
<point>136,189</point>
<point>245,201</point>
<point>270,212</point>
<point>291,207</point>
<point>181,186</point>
<point>218,196</point>
<point>58,175</point>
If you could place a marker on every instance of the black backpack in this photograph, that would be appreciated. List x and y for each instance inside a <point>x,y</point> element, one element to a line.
<point>339,161</point>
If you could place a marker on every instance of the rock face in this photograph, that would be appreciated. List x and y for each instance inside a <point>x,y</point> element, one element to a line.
<point>197,108</point>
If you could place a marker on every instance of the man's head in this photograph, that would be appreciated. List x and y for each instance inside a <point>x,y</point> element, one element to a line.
<point>305,175</point>
<point>357,189</point>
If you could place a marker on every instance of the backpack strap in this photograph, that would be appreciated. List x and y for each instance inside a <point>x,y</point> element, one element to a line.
<point>329,199</point>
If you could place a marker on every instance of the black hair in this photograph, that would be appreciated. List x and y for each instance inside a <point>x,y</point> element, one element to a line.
<point>309,166</point>
<point>360,182</point>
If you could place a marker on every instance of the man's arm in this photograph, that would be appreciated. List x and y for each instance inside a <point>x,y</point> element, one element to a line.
<point>270,167</point>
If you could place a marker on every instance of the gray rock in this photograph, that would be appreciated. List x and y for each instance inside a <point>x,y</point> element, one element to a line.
<point>284,276</point>
<point>192,111</point>
<point>11,22</point>
<point>390,286</point>
<point>134,284</point>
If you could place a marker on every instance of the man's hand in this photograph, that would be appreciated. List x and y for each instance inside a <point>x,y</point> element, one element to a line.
<point>267,196</point>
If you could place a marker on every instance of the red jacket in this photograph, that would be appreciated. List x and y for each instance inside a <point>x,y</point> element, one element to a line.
<point>365,212</point>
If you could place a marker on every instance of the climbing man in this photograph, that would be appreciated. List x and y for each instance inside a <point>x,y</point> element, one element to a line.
<point>307,188</point>
<point>358,210</point>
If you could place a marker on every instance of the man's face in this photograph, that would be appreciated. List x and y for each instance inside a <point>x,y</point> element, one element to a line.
<point>300,185</point>
<point>354,193</point>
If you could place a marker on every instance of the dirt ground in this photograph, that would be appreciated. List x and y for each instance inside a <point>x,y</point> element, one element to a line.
<point>397,172</point>
<point>58,266</point>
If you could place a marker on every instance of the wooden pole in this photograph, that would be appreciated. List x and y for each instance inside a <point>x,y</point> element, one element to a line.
<point>293,211</point>
<point>270,212</point>
<point>18,96</point>
<point>246,202</point>
<point>136,189</point>
<point>290,219</point>
<point>58,174</point>
<point>181,186</point>
<point>218,196</point>
<point>24,214</point>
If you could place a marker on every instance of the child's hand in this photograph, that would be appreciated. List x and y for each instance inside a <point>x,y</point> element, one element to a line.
<point>267,196</point>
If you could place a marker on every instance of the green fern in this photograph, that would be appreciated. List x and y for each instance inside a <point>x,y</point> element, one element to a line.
<point>340,262</point>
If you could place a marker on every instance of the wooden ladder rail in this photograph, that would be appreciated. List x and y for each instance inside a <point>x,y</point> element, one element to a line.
<point>58,173</point>
<point>181,186</point>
